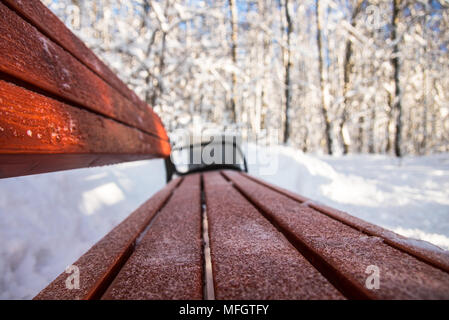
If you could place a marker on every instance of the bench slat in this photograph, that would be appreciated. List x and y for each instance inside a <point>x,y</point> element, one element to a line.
<point>56,136</point>
<point>50,25</point>
<point>250,258</point>
<point>168,262</point>
<point>101,263</point>
<point>28,55</point>
<point>344,253</point>
<point>422,250</point>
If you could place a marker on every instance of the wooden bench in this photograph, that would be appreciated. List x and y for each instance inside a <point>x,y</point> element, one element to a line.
<point>60,105</point>
<point>219,234</point>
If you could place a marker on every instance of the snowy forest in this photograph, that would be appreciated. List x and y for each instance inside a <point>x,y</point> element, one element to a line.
<point>326,76</point>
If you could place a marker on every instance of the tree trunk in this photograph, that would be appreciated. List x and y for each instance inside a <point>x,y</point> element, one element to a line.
<point>423,143</point>
<point>361,137</point>
<point>287,86</point>
<point>397,89</point>
<point>346,74</point>
<point>324,107</point>
<point>233,12</point>
<point>159,88</point>
<point>372,127</point>
<point>387,128</point>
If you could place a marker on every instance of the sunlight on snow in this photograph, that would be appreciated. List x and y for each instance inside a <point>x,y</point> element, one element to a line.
<point>106,194</point>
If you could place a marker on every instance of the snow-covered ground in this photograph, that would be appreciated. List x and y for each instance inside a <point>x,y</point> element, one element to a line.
<point>47,221</point>
<point>409,196</point>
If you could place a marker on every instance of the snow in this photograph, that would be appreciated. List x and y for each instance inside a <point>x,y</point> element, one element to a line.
<point>409,196</point>
<point>47,221</point>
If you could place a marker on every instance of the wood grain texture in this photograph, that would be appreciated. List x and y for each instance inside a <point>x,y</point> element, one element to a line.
<point>422,250</point>
<point>50,25</point>
<point>168,261</point>
<point>250,258</point>
<point>100,264</point>
<point>40,134</point>
<point>343,253</point>
<point>27,54</point>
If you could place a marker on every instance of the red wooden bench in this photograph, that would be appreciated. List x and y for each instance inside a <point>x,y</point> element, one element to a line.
<point>218,234</point>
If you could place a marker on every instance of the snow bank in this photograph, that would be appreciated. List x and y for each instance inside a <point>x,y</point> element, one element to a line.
<point>47,221</point>
<point>408,196</point>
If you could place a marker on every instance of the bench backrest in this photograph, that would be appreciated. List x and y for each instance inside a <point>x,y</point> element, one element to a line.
<point>60,106</point>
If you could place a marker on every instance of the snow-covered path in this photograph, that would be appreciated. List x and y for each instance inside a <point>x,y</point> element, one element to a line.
<point>47,221</point>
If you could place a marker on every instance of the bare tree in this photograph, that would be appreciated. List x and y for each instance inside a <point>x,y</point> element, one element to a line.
<point>324,106</point>
<point>397,86</point>
<point>346,75</point>
<point>234,30</point>
<point>288,65</point>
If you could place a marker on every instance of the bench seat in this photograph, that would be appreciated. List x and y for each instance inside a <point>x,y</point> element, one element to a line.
<point>227,235</point>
